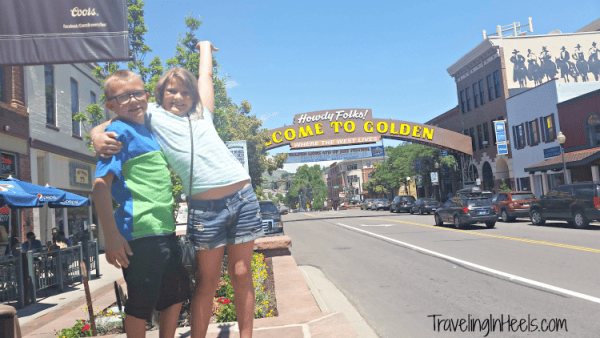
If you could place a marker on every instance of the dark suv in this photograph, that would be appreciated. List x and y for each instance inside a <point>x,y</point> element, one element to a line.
<point>575,203</point>
<point>271,220</point>
<point>463,210</point>
<point>402,203</point>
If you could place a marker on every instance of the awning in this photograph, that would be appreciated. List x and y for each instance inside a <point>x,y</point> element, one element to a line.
<point>572,159</point>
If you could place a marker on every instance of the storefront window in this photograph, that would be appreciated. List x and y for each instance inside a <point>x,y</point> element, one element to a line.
<point>593,130</point>
<point>524,184</point>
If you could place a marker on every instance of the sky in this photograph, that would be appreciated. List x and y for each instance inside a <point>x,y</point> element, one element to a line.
<point>292,57</point>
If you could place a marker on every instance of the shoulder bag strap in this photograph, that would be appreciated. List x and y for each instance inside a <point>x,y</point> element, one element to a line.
<point>188,198</point>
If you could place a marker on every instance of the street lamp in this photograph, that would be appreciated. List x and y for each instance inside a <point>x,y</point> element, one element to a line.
<point>561,138</point>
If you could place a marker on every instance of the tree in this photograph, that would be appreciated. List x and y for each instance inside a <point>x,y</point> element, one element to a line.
<point>308,186</point>
<point>400,164</point>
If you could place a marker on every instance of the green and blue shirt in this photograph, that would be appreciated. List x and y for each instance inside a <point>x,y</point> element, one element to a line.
<point>141,183</point>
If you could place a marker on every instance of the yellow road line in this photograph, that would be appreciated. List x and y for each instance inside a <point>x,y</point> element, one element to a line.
<point>566,246</point>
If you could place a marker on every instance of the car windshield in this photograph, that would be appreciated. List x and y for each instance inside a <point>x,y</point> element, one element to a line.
<point>429,200</point>
<point>382,200</point>
<point>520,197</point>
<point>268,208</point>
<point>477,202</point>
<point>408,198</point>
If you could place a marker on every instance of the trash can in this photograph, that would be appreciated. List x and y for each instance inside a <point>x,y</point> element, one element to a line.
<point>9,322</point>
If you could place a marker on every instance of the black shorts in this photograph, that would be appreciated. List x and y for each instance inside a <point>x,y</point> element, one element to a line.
<point>155,277</point>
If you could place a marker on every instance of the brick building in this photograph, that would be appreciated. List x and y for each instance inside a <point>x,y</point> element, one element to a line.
<point>500,67</point>
<point>14,145</point>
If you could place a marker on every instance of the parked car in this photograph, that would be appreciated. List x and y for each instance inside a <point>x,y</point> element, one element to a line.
<point>271,220</point>
<point>380,203</point>
<point>283,210</point>
<point>402,203</point>
<point>474,191</point>
<point>424,206</point>
<point>366,204</point>
<point>576,203</point>
<point>464,210</point>
<point>513,204</point>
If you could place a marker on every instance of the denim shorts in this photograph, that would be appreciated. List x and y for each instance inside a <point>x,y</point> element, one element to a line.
<point>233,219</point>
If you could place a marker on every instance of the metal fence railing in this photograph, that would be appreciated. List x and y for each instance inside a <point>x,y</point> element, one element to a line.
<point>21,277</point>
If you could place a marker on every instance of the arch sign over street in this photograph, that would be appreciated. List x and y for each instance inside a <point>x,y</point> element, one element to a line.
<point>343,127</point>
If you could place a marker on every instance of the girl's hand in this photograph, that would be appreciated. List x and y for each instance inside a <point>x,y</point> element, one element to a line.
<point>202,45</point>
<point>105,144</point>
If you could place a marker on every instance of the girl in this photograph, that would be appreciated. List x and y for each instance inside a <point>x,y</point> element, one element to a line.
<point>223,209</point>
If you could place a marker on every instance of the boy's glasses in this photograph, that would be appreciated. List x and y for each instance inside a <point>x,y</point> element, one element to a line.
<point>125,98</point>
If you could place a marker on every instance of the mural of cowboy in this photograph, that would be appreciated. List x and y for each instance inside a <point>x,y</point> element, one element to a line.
<point>581,64</point>
<point>519,69</point>
<point>547,66</point>
<point>566,67</point>
<point>534,71</point>
<point>594,61</point>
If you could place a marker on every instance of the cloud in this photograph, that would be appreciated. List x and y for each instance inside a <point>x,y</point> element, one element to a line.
<point>231,84</point>
<point>266,116</point>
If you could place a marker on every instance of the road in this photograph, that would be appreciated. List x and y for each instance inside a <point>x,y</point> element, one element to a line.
<point>399,270</point>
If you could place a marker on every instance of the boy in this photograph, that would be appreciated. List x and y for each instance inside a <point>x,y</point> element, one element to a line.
<point>140,236</point>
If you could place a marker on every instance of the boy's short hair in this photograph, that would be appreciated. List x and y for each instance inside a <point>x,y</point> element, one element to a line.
<point>30,234</point>
<point>123,75</point>
<point>187,79</point>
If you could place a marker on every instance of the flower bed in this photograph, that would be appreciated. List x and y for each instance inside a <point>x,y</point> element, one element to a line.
<point>109,321</point>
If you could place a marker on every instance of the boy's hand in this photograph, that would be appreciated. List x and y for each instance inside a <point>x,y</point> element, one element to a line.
<point>116,250</point>
<point>105,144</point>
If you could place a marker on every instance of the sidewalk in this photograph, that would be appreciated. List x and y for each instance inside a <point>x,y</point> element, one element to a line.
<point>309,305</point>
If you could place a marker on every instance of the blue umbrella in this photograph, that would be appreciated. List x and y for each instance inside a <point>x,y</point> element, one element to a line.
<point>71,200</point>
<point>14,194</point>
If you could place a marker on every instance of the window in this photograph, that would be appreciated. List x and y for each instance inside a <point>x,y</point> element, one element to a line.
<point>519,136</point>
<point>481,93</point>
<point>486,135</point>
<point>490,88</point>
<point>480,136</point>
<point>475,95</point>
<point>497,84</point>
<point>462,101</point>
<point>352,166</point>
<point>1,84</point>
<point>593,129</point>
<point>493,132</point>
<point>468,96</point>
<point>533,132</point>
<point>368,163</point>
<point>93,100</point>
<point>75,107</point>
<point>472,134</point>
<point>50,106</point>
<point>548,129</point>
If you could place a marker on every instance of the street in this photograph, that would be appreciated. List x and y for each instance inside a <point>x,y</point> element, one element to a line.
<point>400,270</point>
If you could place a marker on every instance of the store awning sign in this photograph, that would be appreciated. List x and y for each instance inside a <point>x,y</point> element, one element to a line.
<point>34,32</point>
<point>501,142</point>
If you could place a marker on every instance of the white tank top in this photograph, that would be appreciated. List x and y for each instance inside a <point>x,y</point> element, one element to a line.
<point>214,165</point>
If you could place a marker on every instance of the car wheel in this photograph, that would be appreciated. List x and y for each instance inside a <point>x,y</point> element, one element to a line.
<point>490,224</point>
<point>438,220</point>
<point>536,218</point>
<point>429,213</point>
<point>579,219</point>
<point>411,211</point>
<point>420,211</point>
<point>457,224</point>
<point>504,216</point>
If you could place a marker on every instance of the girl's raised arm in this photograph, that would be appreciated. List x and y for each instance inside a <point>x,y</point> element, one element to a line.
<point>205,81</point>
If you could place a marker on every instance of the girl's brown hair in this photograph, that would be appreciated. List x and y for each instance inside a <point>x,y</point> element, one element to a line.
<point>180,74</point>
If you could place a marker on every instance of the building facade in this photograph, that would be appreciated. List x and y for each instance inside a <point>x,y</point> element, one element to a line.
<point>534,123</point>
<point>349,176</point>
<point>14,146</point>
<point>58,150</point>
<point>501,67</point>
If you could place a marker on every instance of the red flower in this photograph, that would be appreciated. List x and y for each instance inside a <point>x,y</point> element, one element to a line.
<point>85,328</point>
<point>264,259</point>
<point>83,321</point>
<point>226,301</point>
